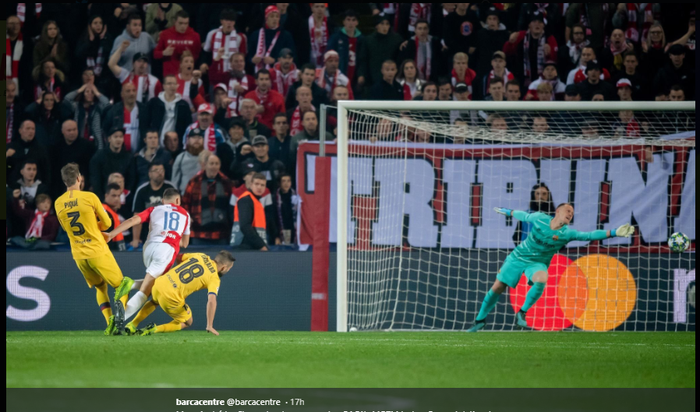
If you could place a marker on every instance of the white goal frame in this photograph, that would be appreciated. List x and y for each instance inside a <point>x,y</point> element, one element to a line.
<point>342,154</point>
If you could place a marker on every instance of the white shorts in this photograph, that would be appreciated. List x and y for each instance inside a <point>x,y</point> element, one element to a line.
<point>158,257</point>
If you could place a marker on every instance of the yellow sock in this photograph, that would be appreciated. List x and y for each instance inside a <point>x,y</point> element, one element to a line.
<point>146,310</point>
<point>173,326</point>
<point>103,301</point>
<point>124,299</point>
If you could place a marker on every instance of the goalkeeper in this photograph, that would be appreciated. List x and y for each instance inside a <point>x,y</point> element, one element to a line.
<point>547,237</point>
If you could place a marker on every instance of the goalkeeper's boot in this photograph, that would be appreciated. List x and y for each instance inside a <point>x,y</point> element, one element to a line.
<point>478,325</point>
<point>130,329</point>
<point>119,315</point>
<point>521,320</point>
<point>150,330</point>
<point>111,326</point>
<point>124,288</point>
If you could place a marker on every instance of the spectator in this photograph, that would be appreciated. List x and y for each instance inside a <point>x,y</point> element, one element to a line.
<point>498,64</point>
<point>428,93</point>
<point>348,42</point>
<point>513,91</point>
<point>461,136</point>
<point>661,96</point>
<point>29,186</point>
<point>640,84</point>
<point>425,51</point>
<point>147,85</point>
<point>444,90</point>
<point>635,20</point>
<point>540,201</point>
<point>268,101</point>
<point>598,97</point>
<point>151,153</point>
<point>569,122</point>
<point>626,126</point>
<point>149,194</point>
<point>287,206</point>
<point>461,73</point>
<point>265,44</point>
<point>381,45</point>
<point>540,125</point>
<point>237,132</point>
<point>497,124</point>
<point>169,112</point>
<point>612,58</point>
<point>26,147</point>
<point>238,82</point>
<point>408,79</point>
<point>491,41</point>
<point>252,125</point>
<point>14,112</point>
<point>40,223</point>
<point>189,82</point>
<point>461,94</point>
<point>533,48</point>
<point>279,144</point>
<point>250,217</point>
<point>47,78</point>
<point>48,114</point>
<point>18,62</point>
<point>461,30</point>
<point>93,48</point>
<point>51,46</point>
<point>329,77</point>
<point>263,163</point>
<point>654,50</point>
<point>113,158</point>
<point>160,17</point>
<point>320,29</point>
<point>88,105</point>
<point>138,42</point>
<point>676,94</point>
<point>213,133</point>
<point>570,56</point>
<point>677,71</point>
<point>384,9</point>
<point>624,90</point>
<point>550,77</point>
<point>118,179</point>
<point>171,142</point>
<point>206,198</point>
<point>307,79</point>
<point>173,42</point>
<point>385,131</point>
<point>70,149</point>
<point>304,105</point>
<point>593,84</point>
<point>225,41</point>
<point>388,88</point>
<point>187,163</point>
<point>578,74</point>
<point>284,73</point>
<point>549,12</point>
<point>130,116</point>
<point>496,90</point>
<point>310,132</point>
<point>112,203</point>
<point>594,17</point>
<point>408,15</point>
<point>688,40</point>
<point>676,121</point>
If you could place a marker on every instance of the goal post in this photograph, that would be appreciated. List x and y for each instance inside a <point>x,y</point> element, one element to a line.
<point>418,245</point>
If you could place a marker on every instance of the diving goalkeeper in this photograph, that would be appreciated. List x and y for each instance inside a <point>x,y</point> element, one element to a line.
<point>547,237</point>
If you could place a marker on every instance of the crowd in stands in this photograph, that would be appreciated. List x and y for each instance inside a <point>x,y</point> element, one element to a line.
<point>211,98</point>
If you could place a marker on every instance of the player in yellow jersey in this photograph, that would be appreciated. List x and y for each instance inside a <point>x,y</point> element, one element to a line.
<point>83,217</point>
<point>196,272</point>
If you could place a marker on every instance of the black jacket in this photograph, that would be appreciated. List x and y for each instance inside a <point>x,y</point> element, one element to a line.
<point>437,66</point>
<point>156,112</point>
<point>318,95</point>
<point>385,91</point>
<point>28,150</point>
<point>80,152</point>
<point>114,116</point>
<point>588,90</point>
<point>251,239</point>
<point>106,162</point>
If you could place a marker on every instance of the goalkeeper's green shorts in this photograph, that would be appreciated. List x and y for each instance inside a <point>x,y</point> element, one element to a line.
<point>513,269</point>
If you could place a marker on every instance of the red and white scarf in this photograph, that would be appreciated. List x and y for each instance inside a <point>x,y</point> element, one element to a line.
<point>339,79</point>
<point>37,226</point>
<point>96,62</point>
<point>540,55</point>
<point>50,88</point>
<point>468,78</point>
<point>9,122</point>
<point>319,40</point>
<point>507,76</point>
<point>12,58</point>
<point>232,109</point>
<point>575,50</point>
<point>146,86</point>
<point>632,31</point>
<point>210,138</point>
<point>409,91</point>
<point>419,11</point>
<point>230,44</point>
<point>280,81</point>
<point>297,126</point>
<point>424,62</point>
<point>184,87</point>
<point>541,10</point>
<point>22,11</point>
<point>131,128</point>
<point>261,52</point>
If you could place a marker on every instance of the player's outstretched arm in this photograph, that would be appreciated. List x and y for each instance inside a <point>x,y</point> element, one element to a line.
<point>518,214</point>
<point>211,311</point>
<point>625,230</point>
<point>128,224</point>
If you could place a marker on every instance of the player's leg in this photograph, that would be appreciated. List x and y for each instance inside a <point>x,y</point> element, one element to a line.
<point>93,279</point>
<point>538,276</point>
<point>131,328</point>
<point>108,269</point>
<point>508,276</point>
<point>136,302</point>
<point>157,257</point>
<point>182,318</point>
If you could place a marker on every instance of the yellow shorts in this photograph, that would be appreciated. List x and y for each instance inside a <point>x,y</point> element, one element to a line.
<point>99,269</point>
<point>175,307</point>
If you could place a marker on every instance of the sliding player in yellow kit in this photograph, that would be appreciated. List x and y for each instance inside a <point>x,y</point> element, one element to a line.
<point>196,272</point>
<point>83,217</point>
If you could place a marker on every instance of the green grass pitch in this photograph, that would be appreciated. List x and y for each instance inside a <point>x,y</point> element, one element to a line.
<point>378,359</point>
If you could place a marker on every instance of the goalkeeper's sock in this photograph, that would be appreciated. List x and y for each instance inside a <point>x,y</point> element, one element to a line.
<point>489,303</point>
<point>173,326</point>
<point>533,295</point>
<point>146,310</point>
<point>103,301</point>
<point>135,304</point>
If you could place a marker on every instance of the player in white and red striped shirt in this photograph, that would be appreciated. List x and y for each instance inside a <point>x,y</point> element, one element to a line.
<point>169,229</point>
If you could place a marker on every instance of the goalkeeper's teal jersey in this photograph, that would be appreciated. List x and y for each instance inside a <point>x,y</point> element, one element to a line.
<point>543,242</point>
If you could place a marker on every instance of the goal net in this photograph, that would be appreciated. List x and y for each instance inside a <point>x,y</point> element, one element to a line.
<point>419,244</point>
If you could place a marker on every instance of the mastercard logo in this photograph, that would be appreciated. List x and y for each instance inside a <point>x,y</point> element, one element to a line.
<point>594,293</point>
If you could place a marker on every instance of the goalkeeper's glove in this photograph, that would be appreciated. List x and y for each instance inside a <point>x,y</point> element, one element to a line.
<point>503,211</point>
<point>625,230</point>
